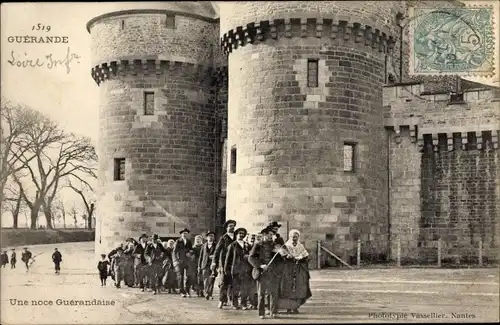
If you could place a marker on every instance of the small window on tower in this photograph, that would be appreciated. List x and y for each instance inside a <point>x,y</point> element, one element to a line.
<point>349,157</point>
<point>119,169</point>
<point>170,21</point>
<point>233,160</point>
<point>149,103</point>
<point>312,73</point>
<point>122,24</point>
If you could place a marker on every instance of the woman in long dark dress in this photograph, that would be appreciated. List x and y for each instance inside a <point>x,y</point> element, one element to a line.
<point>294,286</point>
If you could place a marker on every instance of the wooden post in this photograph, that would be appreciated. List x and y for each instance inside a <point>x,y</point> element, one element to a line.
<point>398,257</point>
<point>480,252</point>
<point>439,252</point>
<point>359,254</point>
<point>318,257</point>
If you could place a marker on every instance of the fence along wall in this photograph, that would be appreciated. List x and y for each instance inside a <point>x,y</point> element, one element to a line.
<point>443,166</point>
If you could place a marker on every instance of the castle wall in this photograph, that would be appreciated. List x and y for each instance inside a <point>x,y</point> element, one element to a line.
<point>170,155</point>
<point>289,138</point>
<point>444,167</point>
<point>146,36</point>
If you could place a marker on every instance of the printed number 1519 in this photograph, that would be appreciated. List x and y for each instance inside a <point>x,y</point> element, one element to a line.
<point>41,27</point>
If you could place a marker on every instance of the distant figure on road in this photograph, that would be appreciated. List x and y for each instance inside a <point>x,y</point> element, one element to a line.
<point>103,266</point>
<point>5,258</point>
<point>57,259</point>
<point>13,259</point>
<point>25,257</point>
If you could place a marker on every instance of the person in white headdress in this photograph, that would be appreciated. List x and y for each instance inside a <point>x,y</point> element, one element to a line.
<point>294,286</point>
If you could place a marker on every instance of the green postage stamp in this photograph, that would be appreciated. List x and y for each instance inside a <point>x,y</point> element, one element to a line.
<point>453,41</point>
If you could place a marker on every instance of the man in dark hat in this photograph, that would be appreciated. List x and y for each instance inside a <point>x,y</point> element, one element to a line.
<point>204,263</point>
<point>220,258</point>
<point>260,257</point>
<point>180,260</point>
<point>119,266</point>
<point>237,266</point>
<point>57,259</point>
<point>140,264</point>
<point>5,259</point>
<point>275,226</point>
<point>13,259</point>
<point>25,257</point>
<point>155,253</point>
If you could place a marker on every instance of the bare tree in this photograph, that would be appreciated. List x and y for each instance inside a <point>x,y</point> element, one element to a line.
<point>58,156</point>
<point>13,202</point>
<point>74,213</point>
<point>58,209</point>
<point>85,192</point>
<point>15,120</point>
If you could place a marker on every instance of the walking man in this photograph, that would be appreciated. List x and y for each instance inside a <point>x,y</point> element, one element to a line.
<point>180,260</point>
<point>206,258</point>
<point>260,257</point>
<point>13,259</point>
<point>220,258</point>
<point>275,226</point>
<point>119,266</point>
<point>57,259</point>
<point>140,264</point>
<point>155,253</point>
<point>5,259</point>
<point>25,257</point>
<point>240,270</point>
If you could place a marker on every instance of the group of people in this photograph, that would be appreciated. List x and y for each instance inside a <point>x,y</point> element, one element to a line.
<point>28,259</point>
<point>256,271</point>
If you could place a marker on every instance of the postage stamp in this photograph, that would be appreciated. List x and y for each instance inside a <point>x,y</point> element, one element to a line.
<point>453,41</point>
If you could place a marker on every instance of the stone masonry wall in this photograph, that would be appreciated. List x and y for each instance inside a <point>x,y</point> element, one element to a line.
<point>289,140</point>
<point>444,167</point>
<point>169,156</point>
<point>147,37</point>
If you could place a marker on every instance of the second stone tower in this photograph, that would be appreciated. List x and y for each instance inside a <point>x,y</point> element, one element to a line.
<point>306,136</point>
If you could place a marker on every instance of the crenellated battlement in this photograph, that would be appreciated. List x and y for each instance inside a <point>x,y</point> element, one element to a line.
<point>475,140</point>
<point>335,28</point>
<point>103,72</point>
<point>416,92</point>
<point>447,140</point>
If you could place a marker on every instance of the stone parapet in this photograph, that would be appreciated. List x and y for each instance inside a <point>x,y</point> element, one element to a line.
<point>145,67</point>
<point>334,28</point>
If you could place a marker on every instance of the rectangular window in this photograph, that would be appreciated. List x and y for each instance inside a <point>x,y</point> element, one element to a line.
<point>349,157</point>
<point>119,169</point>
<point>312,73</point>
<point>233,160</point>
<point>122,24</point>
<point>170,21</point>
<point>149,103</point>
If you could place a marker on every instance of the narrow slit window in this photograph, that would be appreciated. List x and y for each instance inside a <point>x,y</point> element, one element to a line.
<point>312,73</point>
<point>385,70</point>
<point>349,157</point>
<point>149,103</point>
<point>122,24</point>
<point>170,21</point>
<point>119,169</point>
<point>233,160</point>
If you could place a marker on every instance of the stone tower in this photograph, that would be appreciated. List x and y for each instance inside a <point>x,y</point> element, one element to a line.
<point>305,122</point>
<point>155,68</point>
